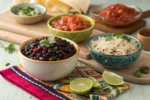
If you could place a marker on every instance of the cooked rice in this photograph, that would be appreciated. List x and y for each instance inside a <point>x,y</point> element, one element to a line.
<point>117,46</point>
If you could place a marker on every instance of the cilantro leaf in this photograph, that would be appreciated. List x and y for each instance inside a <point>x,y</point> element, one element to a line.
<point>109,38</point>
<point>10,48</point>
<point>137,73</point>
<point>144,70</point>
<point>7,64</point>
<point>119,35</point>
<point>46,42</point>
<point>126,38</point>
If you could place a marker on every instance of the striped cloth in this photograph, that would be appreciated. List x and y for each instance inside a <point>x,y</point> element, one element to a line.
<point>60,89</point>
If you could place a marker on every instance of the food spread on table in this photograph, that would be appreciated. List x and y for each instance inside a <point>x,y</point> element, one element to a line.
<point>71,23</point>
<point>59,55</point>
<point>28,11</point>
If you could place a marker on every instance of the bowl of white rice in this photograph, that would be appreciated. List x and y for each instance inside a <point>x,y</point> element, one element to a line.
<point>114,50</point>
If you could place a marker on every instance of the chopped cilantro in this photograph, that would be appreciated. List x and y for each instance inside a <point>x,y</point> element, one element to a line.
<point>47,42</point>
<point>144,70</point>
<point>10,48</point>
<point>137,73</point>
<point>7,64</point>
<point>118,35</point>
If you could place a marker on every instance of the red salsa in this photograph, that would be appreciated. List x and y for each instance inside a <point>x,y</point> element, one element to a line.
<point>119,13</point>
<point>71,23</point>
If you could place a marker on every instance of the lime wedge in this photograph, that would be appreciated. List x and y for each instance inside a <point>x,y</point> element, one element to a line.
<point>81,85</point>
<point>95,83</point>
<point>112,78</point>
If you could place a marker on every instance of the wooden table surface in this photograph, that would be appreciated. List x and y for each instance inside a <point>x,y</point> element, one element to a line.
<point>9,91</point>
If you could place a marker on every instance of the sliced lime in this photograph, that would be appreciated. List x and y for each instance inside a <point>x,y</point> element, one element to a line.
<point>81,85</point>
<point>95,83</point>
<point>112,78</point>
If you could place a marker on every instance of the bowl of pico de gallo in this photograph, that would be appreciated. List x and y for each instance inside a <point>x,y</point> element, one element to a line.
<point>76,27</point>
<point>116,14</point>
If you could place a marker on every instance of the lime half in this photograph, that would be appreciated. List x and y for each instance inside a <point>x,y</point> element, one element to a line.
<point>81,85</point>
<point>96,85</point>
<point>112,78</point>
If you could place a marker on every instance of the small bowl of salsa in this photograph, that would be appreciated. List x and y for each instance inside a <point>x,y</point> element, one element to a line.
<point>76,27</point>
<point>116,14</point>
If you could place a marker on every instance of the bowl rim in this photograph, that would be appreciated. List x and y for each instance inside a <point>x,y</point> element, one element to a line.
<point>48,62</point>
<point>89,20</point>
<point>100,35</point>
<point>106,5</point>
<point>26,4</point>
<point>139,33</point>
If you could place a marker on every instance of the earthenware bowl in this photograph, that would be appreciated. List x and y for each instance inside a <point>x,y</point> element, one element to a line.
<point>28,19</point>
<point>77,36</point>
<point>144,36</point>
<point>111,61</point>
<point>48,70</point>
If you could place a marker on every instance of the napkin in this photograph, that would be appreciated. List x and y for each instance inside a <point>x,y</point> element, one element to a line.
<point>60,90</point>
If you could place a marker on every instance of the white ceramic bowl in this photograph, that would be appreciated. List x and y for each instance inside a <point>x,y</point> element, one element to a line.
<point>49,70</point>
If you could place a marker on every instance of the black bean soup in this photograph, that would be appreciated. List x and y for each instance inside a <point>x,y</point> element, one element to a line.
<point>48,49</point>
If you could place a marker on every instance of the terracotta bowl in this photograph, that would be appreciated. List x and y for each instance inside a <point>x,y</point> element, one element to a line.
<point>49,70</point>
<point>144,36</point>
<point>28,19</point>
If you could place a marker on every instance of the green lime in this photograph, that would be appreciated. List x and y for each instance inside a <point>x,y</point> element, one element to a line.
<point>112,78</point>
<point>81,85</point>
<point>95,83</point>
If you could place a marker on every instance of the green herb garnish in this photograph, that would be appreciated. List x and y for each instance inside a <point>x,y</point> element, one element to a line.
<point>126,38</point>
<point>109,38</point>
<point>137,73</point>
<point>144,70</point>
<point>10,48</point>
<point>7,64</point>
<point>118,35</point>
<point>47,42</point>
<point>27,11</point>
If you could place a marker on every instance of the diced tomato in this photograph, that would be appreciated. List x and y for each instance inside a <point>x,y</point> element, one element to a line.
<point>119,13</point>
<point>66,28</point>
<point>59,27</point>
<point>35,50</point>
<point>60,22</point>
<point>71,23</point>
<point>70,19</point>
<point>64,18</point>
<point>73,27</point>
<point>78,20</point>
<point>74,17</point>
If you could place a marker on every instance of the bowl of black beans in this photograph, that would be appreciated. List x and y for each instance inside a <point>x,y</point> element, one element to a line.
<point>48,58</point>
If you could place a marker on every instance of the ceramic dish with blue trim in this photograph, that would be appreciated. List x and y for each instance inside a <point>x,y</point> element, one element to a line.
<point>114,61</point>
